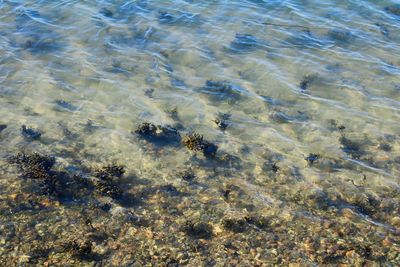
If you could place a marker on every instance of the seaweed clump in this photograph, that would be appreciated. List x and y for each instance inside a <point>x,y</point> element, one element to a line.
<point>221,121</point>
<point>235,225</point>
<point>199,230</point>
<point>108,173</point>
<point>30,134</point>
<point>158,134</point>
<point>2,127</point>
<point>245,43</point>
<point>307,80</point>
<point>80,249</point>
<point>311,158</point>
<point>354,149</point>
<point>221,90</point>
<point>393,9</point>
<point>108,181</point>
<point>38,167</point>
<point>195,142</point>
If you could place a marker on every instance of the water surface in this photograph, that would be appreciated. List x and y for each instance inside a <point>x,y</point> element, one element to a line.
<point>302,99</point>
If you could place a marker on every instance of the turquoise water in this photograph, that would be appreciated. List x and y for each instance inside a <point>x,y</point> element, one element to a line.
<point>297,102</point>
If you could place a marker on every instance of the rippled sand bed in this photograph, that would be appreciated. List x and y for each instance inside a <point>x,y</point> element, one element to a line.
<point>199,133</point>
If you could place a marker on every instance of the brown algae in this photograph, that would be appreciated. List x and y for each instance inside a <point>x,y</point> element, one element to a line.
<point>196,142</point>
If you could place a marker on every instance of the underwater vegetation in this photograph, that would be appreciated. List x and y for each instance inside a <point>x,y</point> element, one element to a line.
<point>201,230</point>
<point>63,185</point>
<point>393,9</point>
<point>281,117</point>
<point>235,225</point>
<point>106,12</point>
<point>341,37</point>
<point>304,39</point>
<point>222,121</point>
<point>158,134</point>
<point>81,249</point>
<point>307,80</point>
<point>38,167</point>
<point>311,158</point>
<point>179,19</point>
<point>245,43</point>
<point>222,91</point>
<point>2,127</point>
<point>196,142</point>
<point>149,92</point>
<point>350,147</point>
<point>64,105</point>
<point>30,133</point>
<point>188,175</point>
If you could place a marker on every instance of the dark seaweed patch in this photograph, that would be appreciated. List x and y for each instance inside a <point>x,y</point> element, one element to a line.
<point>307,80</point>
<point>106,12</point>
<point>90,127</point>
<point>157,134</point>
<point>30,134</point>
<point>179,19</point>
<point>350,147</point>
<point>221,121</point>
<point>341,37</point>
<point>81,249</point>
<point>281,117</point>
<point>34,166</point>
<point>173,113</point>
<point>108,188</point>
<point>38,167</point>
<point>385,147</point>
<point>311,158</point>
<point>258,221</point>
<point>149,92</point>
<point>393,9</point>
<point>188,175</point>
<point>195,142</point>
<point>199,230</point>
<point>63,185</point>
<point>235,225</point>
<point>334,125</point>
<point>110,172</point>
<point>383,29</point>
<point>304,39</point>
<point>64,105</point>
<point>245,43</point>
<point>221,90</point>
<point>2,127</point>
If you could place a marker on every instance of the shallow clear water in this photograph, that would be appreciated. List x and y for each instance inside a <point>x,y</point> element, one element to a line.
<point>311,143</point>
